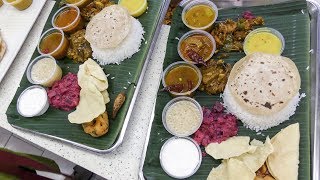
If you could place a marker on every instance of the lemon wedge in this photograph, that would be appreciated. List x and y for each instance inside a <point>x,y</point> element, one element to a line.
<point>135,7</point>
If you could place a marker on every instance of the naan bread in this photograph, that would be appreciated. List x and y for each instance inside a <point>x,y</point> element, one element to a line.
<point>263,84</point>
<point>232,147</point>
<point>109,27</point>
<point>3,48</point>
<point>283,163</point>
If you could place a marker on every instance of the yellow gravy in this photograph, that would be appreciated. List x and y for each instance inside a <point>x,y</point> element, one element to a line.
<point>199,16</point>
<point>263,42</point>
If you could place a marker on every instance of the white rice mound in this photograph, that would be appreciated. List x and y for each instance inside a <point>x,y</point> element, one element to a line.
<point>260,122</point>
<point>128,47</point>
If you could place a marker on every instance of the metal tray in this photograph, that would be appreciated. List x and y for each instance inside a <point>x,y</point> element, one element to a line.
<point>119,140</point>
<point>314,12</point>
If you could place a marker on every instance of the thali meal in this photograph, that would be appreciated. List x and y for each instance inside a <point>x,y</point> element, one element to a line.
<point>19,4</point>
<point>180,157</point>
<point>68,19</point>
<point>53,42</point>
<point>196,46</point>
<point>263,90</point>
<point>266,40</point>
<point>181,78</point>
<point>44,70</point>
<point>82,30</point>
<point>258,92</point>
<point>182,116</point>
<point>33,101</point>
<point>114,35</point>
<point>200,15</point>
<point>214,76</point>
<point>3,48</point>
<point>79,49</point>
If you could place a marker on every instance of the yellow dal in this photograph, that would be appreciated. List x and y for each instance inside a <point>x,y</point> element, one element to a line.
<point>263,42</point>
<point>199,16</point>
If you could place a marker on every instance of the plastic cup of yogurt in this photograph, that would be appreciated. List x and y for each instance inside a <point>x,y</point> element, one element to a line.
<point>33,101</point>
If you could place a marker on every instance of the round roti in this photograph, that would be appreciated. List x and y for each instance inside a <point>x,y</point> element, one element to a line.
<point>109,27</point>
<point>264,84</point>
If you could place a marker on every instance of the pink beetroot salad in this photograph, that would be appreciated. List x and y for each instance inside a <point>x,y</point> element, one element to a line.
<point>217,126</point>
<point>65,93</point>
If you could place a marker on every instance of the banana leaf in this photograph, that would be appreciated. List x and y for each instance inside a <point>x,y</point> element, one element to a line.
<point>123,78</point>
<point>293,21</point>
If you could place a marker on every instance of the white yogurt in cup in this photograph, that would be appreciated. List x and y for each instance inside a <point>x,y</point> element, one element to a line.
<point>33,101</point>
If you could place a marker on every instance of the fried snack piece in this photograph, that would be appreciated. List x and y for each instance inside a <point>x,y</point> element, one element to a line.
<point>214,76</point>
<point>98,127</point>
<point>79,49</point>
<point>94,8</point>
<point>118,102</point>
<point>263,173</point>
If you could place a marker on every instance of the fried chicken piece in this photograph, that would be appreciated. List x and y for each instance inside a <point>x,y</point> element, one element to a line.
<point>98,127</point>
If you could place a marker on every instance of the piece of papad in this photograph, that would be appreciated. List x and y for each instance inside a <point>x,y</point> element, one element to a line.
<point>232,147</point>
<point>109,27</point>
<point>256,159</point>
<point>283,163</point>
